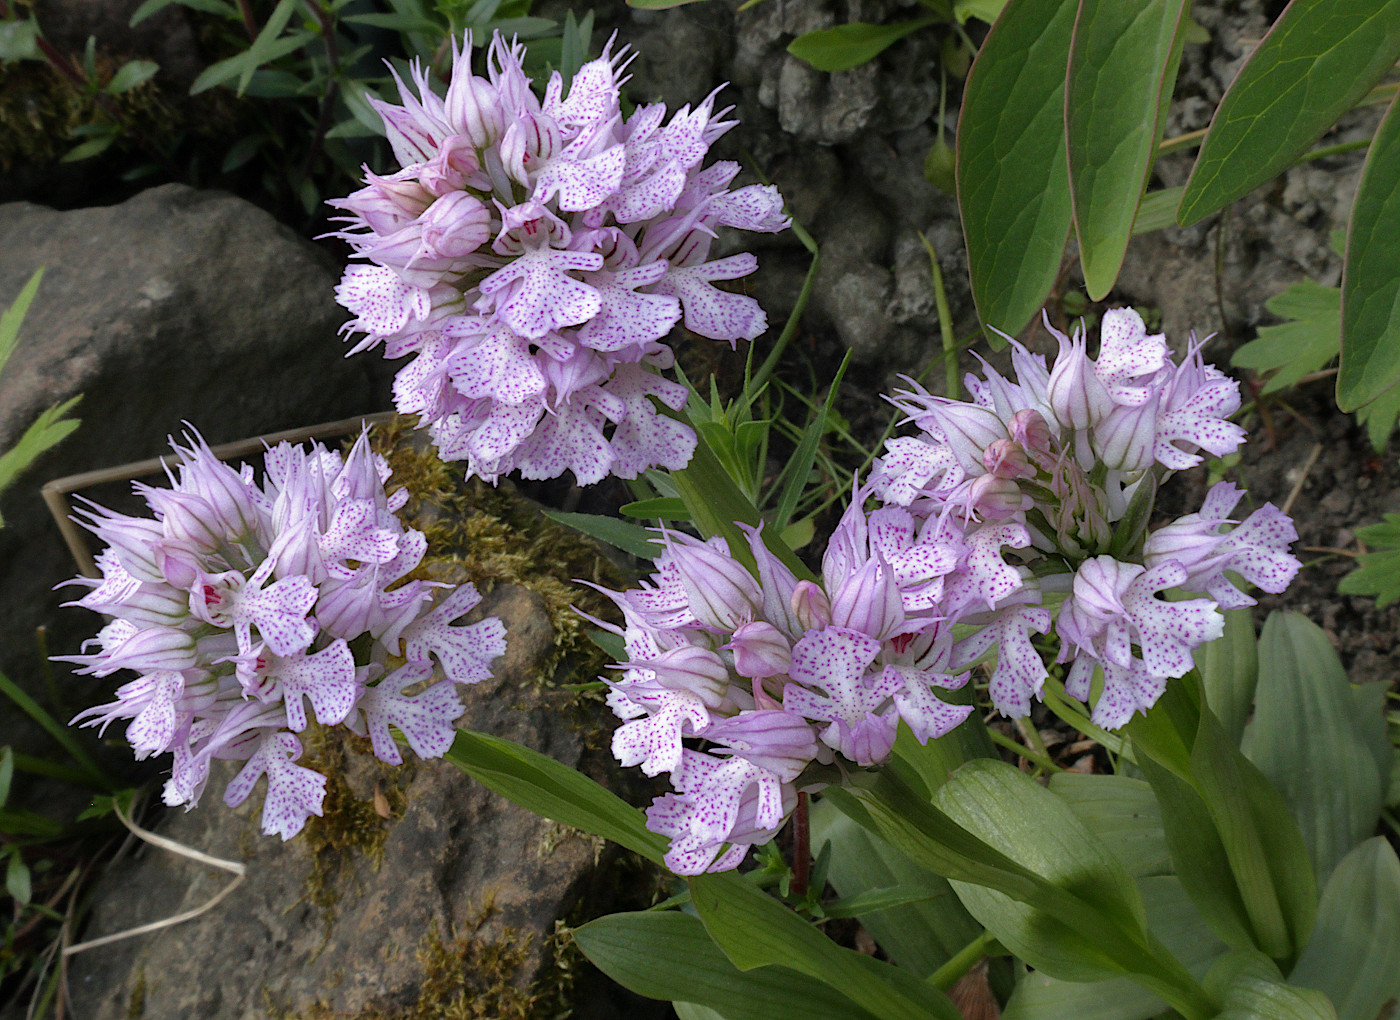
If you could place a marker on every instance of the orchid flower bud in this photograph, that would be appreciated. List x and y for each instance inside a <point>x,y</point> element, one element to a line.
<point>968,430</point>
<point>1077,396</point>
<point>995,498</point>
<point>869,601</point>
<point>811,606</point>
<point>1127,438</point>
<point>721,591</point>
<point>694,669</point>
<point>456,225</point>
<point>760,650</point>
<point>1032,433</point>
<point>1007,460</point>
<point>474,110</point>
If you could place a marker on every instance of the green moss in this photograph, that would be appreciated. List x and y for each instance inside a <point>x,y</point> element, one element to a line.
<point>351,826</point>
<point>136,1002</point>
<point>496,537</point>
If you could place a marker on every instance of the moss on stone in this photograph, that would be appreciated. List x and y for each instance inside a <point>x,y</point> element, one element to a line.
<point>136,1001</point>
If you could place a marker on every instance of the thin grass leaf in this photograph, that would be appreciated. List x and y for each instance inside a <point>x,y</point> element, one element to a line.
<point>800,466</point>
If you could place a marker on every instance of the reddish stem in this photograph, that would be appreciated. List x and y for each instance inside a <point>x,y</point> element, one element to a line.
<point>801,849</point>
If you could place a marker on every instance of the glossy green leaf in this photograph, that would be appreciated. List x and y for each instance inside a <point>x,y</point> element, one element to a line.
<point>1257,998</point>
<point>694,1011</point>
<point>1330,778</point>
<point>624,535</point>
<point>1306,343</point>
<point>1123,60</point>
<point>983,10</point>
<point>1172,917</point>
<point>1370,284</point>
<point>755,930</point>
<point>1354,954</point>
<point>920,936</point>
<point>1314,64</point>
<point>1229,669</point>
<point>664,507</point>
<point>1013,187</point>
<point>850,45</point>
<point>1123,814</point>
<point>669,955</point>
<point>17,882</point>
<point>544,786</point>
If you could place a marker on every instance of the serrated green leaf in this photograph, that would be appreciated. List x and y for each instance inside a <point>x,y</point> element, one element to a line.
<point>1378,571</point>
<point>49,429</point>
<point>544,786</point>
<point>1330,780</point>
<point>1123,60</point>
<point>1314,64</point>
<point>754,930</point>
<point>1013,186</point>
<point>1306,344</point>
<point>918,936</point>
<point>130,75</point>
<point>630,538</point>
<point>669,955</point>
<point>1354,954</point>
<point>1370,363</point>
<point>850,45</point>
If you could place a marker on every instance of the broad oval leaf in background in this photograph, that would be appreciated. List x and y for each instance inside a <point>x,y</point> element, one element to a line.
<point>1317,60</point>
<point>1013,187</point>
<point>847,46</point>
<point>1122,61</point>
<point>1324,770</point>
<point>627,948</point>
<point>1370,280</point>
<point>1354,955</point>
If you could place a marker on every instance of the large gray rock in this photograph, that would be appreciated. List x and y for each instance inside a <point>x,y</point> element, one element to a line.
<point>177,305</point>
<point>463,901</point>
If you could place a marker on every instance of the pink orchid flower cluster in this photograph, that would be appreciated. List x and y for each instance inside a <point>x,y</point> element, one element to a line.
<point>237,604</point>
<point>531,255</point>
<point>1020,512</point>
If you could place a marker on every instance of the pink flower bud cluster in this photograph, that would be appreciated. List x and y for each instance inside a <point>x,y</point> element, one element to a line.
<point>238,603</point>
<point>777,675</point>
<point>1071,455</point>
<point>532,255</point>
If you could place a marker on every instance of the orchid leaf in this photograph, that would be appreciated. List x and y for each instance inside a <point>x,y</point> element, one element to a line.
<point>1013,186</point>
<point>627,948</point>
<point>1330,780</point>
<point>1319,58</point>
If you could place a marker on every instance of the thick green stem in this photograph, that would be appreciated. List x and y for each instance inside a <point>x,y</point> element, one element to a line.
<point>946,976</point>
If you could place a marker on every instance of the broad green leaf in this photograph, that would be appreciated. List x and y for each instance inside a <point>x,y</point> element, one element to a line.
<point>1378,572</point>
<point>755,930</point>
<point>1123,814</point>
<point>1305,344</point>
<point>1013,187</point>
<point>1256,998</point>
<point>1157,211</point>
<point>630,538</point>
<point>920,936</point>
<point>694,1011</point>
<point>1354,954</point>
<point>1122,61</point>
<point>1234,843</point>
<point>542,785</point>
<point>17,878</point>
<point>1330,779</point>
<point>130,75</point>
<point>850,45</point>
<point>669,955</point>
<point>1172,918</point>
<point>1229,668</point>
<point>1314,64</point>
<point>1370,285</point>
<point>1379,417</point>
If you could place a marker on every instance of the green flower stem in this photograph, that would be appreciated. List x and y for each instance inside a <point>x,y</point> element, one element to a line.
<point>1041,759</point>
<point>945,325</point>
<point>1057,701</point>
<point>946,976</point>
